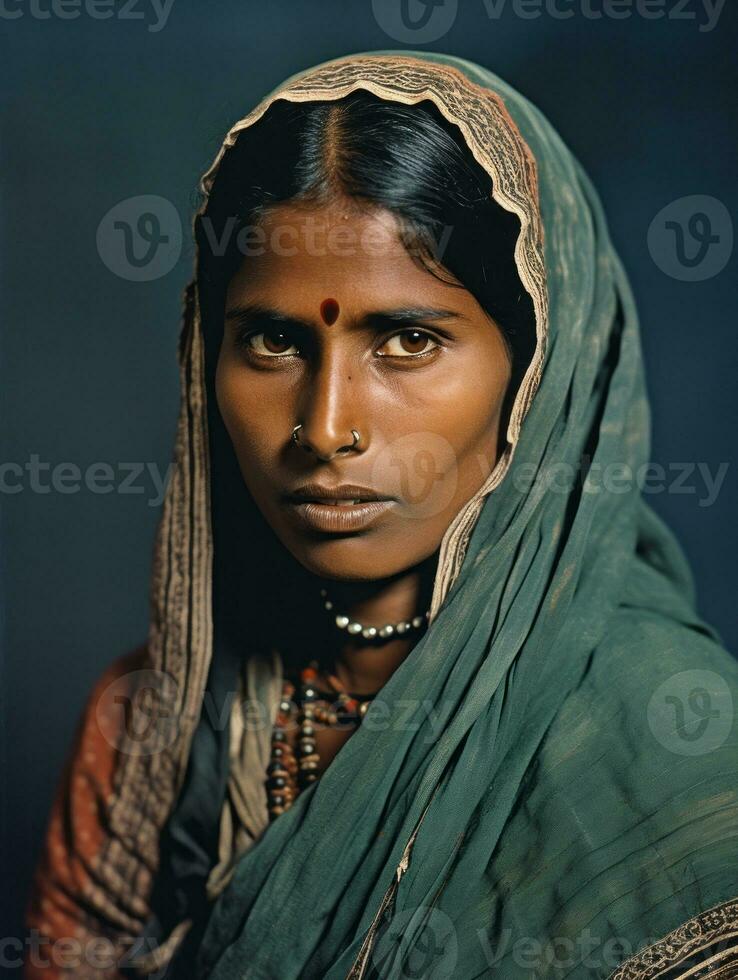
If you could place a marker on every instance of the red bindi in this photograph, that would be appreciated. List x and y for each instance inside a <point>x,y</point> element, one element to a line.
<point>329,310</point>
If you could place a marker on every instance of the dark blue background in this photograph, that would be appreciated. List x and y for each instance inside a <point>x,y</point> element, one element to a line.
<point>97,111</point>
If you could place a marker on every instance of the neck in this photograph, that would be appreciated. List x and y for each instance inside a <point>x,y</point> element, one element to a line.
<point>363,667</point>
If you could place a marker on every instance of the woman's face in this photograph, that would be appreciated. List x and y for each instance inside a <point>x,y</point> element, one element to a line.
<point>330,324</point>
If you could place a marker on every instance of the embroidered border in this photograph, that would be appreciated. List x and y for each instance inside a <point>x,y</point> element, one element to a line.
<point>692,937</point>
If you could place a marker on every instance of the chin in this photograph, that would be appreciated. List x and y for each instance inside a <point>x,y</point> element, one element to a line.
<point>352,558</point>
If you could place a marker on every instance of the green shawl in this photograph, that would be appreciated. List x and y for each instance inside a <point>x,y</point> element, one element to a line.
<point>546,787</point>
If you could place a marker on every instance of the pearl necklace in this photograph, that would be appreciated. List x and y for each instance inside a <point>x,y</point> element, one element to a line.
<point>385,632</point>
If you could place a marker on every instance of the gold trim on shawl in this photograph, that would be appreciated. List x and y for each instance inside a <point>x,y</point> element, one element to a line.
<point>692,937</point>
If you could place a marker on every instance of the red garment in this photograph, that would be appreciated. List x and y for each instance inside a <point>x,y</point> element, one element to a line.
<point>69,938</point>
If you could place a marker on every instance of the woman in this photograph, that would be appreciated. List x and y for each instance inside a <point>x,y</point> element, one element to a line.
<point>425,689</point>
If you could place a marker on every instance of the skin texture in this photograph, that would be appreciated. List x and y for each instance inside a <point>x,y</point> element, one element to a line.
<point>427,405</point>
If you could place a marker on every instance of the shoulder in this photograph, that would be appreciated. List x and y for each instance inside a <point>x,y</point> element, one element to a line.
<point>95,741</point>
<point>91,759</point>
<point>638,774</point>
<point>58,907</point>
<point>668,684</point>
<point>122,668</point>
<point>656,707</point>
<point>102,719</point>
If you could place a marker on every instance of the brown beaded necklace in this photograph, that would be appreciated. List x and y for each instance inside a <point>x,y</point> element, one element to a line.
<point>287,774</point>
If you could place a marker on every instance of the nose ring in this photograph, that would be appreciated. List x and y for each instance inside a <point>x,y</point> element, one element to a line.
<point>296,438</point>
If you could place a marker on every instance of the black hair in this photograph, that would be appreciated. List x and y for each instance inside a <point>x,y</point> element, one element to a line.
<point>407,159</point>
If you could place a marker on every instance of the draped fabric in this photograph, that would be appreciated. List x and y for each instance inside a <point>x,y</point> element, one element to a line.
<point>546,786</point>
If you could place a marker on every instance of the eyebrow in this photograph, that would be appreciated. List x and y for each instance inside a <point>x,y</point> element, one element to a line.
<point>257,314</point>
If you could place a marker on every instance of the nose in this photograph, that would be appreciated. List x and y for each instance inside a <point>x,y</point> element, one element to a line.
<point>327,423</point>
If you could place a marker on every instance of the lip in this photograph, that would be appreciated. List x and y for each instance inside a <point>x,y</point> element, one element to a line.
<point>339,518</point>
<point>345,493</point>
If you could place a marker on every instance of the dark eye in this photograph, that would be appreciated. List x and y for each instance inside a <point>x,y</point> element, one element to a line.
<point>408,343</point>
<point>271,343</point>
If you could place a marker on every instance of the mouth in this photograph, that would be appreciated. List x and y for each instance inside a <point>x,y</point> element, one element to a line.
<point>338,516</point>
<point>345,495</point>
<point>337,501</point>
<point>337,510</point>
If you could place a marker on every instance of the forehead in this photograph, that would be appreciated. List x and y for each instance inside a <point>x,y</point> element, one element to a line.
<point>341,249</point>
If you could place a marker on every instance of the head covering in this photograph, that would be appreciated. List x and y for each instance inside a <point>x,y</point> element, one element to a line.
<point>525,776</point>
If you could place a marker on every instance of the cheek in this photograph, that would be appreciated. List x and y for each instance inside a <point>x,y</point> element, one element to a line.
<point>443,444</point>
<point>232,397</point>
<point>470,421</point>
<point>463,404</point>
<point>255,423</point>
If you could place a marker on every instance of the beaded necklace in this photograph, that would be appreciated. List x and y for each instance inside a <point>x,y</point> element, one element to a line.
<point>288,774</point>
